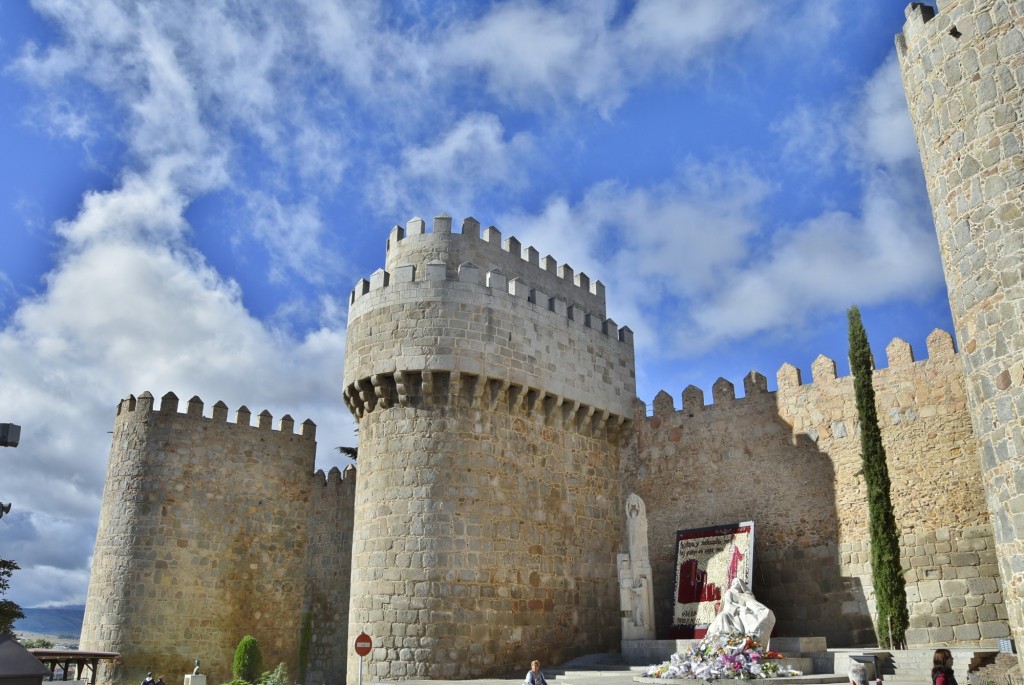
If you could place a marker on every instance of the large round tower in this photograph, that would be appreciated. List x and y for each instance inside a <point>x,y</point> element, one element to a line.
<point>963,72</point>
<point>202,540</point>
<point>491,394</point>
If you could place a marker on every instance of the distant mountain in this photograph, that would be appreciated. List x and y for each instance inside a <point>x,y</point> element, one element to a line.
<point>58,621</point>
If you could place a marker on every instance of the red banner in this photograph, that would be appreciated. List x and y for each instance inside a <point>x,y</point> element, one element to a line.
<point>707,561</point>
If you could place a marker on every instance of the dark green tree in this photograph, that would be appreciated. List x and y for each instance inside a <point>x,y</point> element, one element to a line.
<point>248,663</point>
<point>886,572</point>
<point>9,611</point>
<point>304,640</point>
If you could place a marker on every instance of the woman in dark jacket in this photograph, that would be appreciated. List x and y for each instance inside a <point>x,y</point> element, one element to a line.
<point>942,668</point>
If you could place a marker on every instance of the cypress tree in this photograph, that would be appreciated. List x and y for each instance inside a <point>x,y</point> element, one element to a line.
<point>886,573</point>
<point>248,662</point>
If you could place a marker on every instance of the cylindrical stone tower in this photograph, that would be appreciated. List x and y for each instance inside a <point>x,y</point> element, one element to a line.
<point>963,72</point>
<point>202,540</point>
<point>491,394</point>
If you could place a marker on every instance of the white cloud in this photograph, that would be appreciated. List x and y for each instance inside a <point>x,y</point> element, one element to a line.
<point>662,35</point>
<point>293,233</point>
<point>885,134</point>
<point>534,54</point>
<point>697,252</point>
<point>656,249</point>
<point>811,139</point>
<point>127,312</point>
<point>472,156</point>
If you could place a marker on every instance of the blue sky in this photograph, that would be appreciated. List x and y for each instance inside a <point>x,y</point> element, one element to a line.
<point>188,192</point>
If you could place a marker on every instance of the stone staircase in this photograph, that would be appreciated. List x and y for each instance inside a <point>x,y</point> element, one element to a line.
<point>910,666</point>
<point>914,666</point>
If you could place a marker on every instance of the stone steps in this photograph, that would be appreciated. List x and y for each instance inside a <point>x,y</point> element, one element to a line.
<point>911,665</point>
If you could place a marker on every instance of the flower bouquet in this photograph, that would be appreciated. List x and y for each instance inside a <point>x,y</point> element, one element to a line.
<point>726,655</point>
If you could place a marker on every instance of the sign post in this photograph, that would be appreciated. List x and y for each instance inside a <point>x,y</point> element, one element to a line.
<point>363,646</point>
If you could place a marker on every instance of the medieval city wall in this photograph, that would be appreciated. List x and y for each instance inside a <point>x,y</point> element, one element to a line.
<point>488,510</point>
<point>789,459</point>
<point>324,638</point>
<point>963,74</point>
<point>202,539</point>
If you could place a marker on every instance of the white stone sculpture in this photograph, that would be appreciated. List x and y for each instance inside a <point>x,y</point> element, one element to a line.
<point>636,524</point>
<point>741,613</point>
<point>635,589</point>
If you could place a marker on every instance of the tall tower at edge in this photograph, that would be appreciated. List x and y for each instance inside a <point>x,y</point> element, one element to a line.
<point>963,72</point>
<point>492,395</point>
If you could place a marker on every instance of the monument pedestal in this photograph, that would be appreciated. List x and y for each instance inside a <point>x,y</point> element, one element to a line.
<point>195,679</point>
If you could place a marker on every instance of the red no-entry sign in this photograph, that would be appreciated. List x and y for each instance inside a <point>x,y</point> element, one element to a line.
<point>363,644</point>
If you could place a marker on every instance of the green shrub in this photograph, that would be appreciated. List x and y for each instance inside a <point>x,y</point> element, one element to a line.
<point>279,676</point>
<point>248,663</point>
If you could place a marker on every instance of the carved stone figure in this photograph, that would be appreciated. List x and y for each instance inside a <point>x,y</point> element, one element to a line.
<point>636,524</point>
<point>741,613</point>
<point>635,589</point>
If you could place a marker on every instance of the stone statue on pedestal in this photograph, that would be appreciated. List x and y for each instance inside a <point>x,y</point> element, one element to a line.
<point>741,613</point>
<point>635,589</point>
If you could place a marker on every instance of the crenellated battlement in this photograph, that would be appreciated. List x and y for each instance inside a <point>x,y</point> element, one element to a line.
<point>918,14</point>
<point>413,254</point>
<point>335,483</point>
<point>142,406</point>
<point>900,357</point>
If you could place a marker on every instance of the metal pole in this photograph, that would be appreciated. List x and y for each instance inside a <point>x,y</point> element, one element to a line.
<point>360,670</point>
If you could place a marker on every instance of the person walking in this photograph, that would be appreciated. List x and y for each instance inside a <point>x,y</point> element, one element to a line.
<point>942,668</point>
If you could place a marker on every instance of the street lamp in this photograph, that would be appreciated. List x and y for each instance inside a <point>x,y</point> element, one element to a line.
<point>10,434</point>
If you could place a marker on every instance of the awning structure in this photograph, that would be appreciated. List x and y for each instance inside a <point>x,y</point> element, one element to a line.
<point>17,666</point>
<point>84,662</point>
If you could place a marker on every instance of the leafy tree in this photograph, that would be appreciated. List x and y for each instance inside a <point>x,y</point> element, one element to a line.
<point>350,452</point>
<point>886,573</point>
<point>248,663</point>
<point>9,611</point>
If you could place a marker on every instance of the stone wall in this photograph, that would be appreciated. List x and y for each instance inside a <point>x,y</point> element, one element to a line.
<point>963,73</point>
<point>202,540</point>
<point>329,571</point>
<point>789,461</point>
<point>488,507</point>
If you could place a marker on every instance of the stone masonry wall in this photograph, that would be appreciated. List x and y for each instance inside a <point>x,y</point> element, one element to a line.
<point>488,508</point>
<point>963,74</point>
<point>788,460</point>
<point>202,539</point>
<point>330,567</point>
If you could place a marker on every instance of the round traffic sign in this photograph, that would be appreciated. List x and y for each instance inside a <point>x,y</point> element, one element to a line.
<point>363,644</point>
